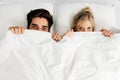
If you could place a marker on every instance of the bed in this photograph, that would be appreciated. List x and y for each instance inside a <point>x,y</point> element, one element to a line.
<point>83,56</point>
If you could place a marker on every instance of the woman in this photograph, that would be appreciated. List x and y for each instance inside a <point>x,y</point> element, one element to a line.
<point>83,21</point>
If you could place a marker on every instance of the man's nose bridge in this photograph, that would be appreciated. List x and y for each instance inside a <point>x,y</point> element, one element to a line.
<point>40,28</point>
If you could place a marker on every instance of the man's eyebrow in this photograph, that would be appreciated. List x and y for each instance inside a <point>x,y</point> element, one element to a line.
<point>37,25</point>
<point>34,24</point>
<point>45,26</point>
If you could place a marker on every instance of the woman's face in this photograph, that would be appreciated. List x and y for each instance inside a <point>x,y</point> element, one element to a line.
<point>84,26</point>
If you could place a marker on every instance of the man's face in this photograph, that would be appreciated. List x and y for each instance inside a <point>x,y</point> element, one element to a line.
<point>40,24</point>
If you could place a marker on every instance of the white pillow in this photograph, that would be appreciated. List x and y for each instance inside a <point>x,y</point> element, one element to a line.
<point>104,15</point>
<point>12,14</point>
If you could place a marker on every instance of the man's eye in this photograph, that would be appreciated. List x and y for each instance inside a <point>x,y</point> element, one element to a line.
<point>45,28</point>
<point>33,26</point>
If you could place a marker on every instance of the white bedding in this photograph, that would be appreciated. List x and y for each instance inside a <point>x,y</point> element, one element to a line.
<point>35,56</point>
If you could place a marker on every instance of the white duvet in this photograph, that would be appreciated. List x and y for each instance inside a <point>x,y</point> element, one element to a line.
<point>35,56</point>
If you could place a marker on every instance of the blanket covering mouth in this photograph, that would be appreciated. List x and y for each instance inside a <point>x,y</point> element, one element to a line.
<point>35,56</point>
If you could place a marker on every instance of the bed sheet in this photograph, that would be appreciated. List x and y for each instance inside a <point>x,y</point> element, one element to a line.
<point>35,56</point>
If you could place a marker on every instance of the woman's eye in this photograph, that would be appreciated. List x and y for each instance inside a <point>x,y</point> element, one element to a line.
<point>89,28</point>
<point>81,29</point>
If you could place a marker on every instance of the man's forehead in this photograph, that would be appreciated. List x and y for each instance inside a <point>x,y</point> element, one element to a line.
<point>39,21</point>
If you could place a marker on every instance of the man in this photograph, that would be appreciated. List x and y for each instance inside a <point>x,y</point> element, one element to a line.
<point>38,19</point>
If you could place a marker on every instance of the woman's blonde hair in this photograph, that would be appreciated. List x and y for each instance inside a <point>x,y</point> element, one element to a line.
<point>84,14</point>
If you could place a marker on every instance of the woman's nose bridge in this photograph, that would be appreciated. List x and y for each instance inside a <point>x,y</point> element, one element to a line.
<point>86,30</point>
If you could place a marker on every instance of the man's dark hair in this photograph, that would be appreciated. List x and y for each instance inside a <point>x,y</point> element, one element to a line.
<point>42,13</point>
